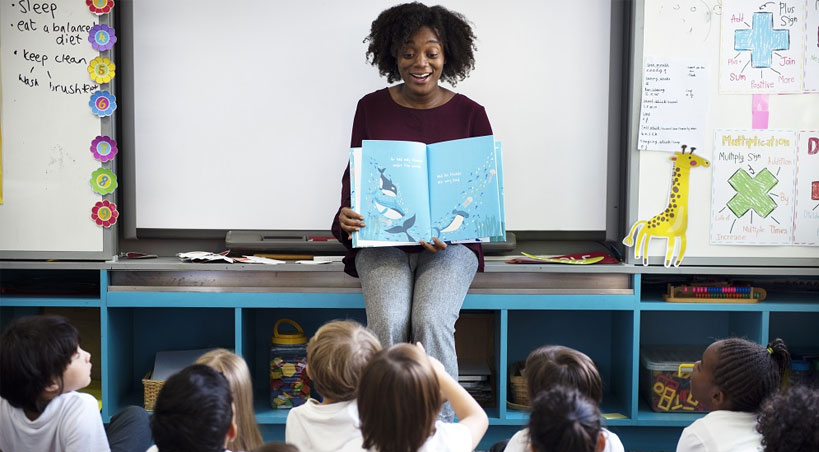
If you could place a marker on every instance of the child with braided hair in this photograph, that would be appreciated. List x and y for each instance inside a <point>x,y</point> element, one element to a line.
<point>732,380</point>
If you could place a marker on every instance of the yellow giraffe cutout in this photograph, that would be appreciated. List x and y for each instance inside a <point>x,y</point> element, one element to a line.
<point>671,223</point>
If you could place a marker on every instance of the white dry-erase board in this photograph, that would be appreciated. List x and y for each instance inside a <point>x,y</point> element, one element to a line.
<point>242,112</point>
<point>47,129</point>
<point>759,229</point>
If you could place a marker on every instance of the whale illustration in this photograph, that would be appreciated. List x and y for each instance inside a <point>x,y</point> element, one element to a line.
<point>386,184</point>
<point>387,205</point>
<point>455,222</point>
<point>404,228</point>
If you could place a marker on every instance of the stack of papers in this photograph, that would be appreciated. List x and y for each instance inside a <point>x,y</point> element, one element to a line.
<point>206,256</point>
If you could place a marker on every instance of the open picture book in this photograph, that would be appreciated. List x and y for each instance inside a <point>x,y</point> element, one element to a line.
<point>409,191</point>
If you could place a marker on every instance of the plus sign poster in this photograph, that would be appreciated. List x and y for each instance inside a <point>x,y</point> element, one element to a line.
<point>753,188</point>
<point>762,46</point>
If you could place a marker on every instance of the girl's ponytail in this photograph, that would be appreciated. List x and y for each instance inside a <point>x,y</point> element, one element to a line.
<point>780,354</point>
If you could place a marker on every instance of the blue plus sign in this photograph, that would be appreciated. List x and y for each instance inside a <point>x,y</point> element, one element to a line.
<point>761,40</point>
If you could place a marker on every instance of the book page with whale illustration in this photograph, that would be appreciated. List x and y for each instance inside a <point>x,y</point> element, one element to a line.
<point>409,191</point>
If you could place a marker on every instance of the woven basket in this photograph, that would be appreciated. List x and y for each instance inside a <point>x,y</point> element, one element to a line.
<point>151,389</point>
<point>517,381</point>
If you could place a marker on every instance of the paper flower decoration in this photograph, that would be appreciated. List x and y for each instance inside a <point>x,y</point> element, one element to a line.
<point>103,181</point>
<point>104,213</point>
<point>99,7</point>
<point>101,70</point>
<point>104,148</point>
<point>102,37</point>
<point>103,103</point>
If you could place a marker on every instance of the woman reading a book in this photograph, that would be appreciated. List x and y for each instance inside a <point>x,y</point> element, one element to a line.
<point>415,292</point>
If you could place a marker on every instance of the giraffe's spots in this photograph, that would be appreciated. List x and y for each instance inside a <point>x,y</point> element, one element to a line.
<point>672,196</point>
<point>674,205</point>
<point>666,210</point>
<point>671,215</point>
<point>675,189</point>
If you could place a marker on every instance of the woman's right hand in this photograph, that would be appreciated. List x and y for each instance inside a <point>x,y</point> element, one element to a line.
<point>350,221</point>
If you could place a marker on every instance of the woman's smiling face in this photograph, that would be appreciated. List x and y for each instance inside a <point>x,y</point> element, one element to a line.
<point>420,62</point>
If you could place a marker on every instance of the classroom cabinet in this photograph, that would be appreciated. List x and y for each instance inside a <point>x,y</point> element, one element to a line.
<point>138,313</point>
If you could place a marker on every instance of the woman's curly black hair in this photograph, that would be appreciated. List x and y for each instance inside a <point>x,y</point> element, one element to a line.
<point>788,421</point>
<point>396,25</point>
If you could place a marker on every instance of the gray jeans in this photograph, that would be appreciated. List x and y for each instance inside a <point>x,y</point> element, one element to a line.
<point>417,296</point>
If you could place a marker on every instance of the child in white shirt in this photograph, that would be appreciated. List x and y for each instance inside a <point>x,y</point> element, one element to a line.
<point>399,397</point>
<point>336,357</point>
<point>732,380</point>
<point>565,420</point>
<point>552,365</point>
<point>41,367</point>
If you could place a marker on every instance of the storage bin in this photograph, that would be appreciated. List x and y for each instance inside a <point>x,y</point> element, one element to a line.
<point>665,378</point>
<point>289,383</point>
<point>150,390</point>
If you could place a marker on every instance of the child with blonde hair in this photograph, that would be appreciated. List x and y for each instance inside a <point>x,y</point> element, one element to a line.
<point>336,357</point>
<point>552,365</point>
<point>400,395</point>
<point>235,370</point>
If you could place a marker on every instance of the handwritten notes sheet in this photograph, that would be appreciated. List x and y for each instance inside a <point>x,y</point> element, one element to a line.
<point>674,104</point>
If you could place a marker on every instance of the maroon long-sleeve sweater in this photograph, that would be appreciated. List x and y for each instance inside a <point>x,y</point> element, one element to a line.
<point>379,117</point>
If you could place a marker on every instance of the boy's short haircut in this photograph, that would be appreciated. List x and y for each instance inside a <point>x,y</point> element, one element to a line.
<point>551,365</point>
<point>34,353</point>
<point>337,355</point>
<point>193,411</point>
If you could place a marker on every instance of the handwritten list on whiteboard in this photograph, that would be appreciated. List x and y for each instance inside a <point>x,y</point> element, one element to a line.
<point>47,128</point>
<point>673,107</point>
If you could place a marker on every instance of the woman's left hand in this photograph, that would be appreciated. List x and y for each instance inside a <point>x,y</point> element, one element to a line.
<point>435,246</point>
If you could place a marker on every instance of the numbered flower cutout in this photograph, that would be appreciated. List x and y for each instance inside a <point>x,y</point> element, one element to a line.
<point>103,103</point>
<point>101,70</point>
<point>104,148</point>
<point>100,7</point>
<point>103,181</point>
<point>102,37</point>
<point>104,213</point>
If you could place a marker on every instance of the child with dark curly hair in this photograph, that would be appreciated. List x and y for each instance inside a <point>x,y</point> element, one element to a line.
<point>415,291</point>
<point>564,420</point>
<point>732,380</point>
<point>788,421</point>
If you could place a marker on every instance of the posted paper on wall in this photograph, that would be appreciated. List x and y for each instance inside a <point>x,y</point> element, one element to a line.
<point>761,46</point>
<point>812,47</point>
<point>673,106</point>
<point>753,187</point>
<point>806,209</point>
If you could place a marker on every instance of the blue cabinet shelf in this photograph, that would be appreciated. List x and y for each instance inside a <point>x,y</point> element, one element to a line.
<point>610,325</point>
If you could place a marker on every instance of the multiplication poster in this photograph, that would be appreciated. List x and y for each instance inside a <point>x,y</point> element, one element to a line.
<point>753,187</point>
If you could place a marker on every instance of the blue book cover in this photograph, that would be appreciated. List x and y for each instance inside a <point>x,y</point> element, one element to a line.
<point>410,191</point>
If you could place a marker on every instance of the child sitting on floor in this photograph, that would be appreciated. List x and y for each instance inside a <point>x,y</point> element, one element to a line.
<point>731,380</point>
<point>564,420</point>
<point>235,370</point>
<point>553,365</point>
<point>399,398</point>
<point>336,357</point>
<point>41,368</point>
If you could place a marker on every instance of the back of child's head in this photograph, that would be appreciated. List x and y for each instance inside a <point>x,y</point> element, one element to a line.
<point>34,353</point>
<point>564,420</point>
<point>551,365</point>
<point>235,370</point>
<point>193,411</point>
<point>788,421</point>
<point>337,355</point>
<point>747,373</point>
<point>399,398</point>
<point>275,447</point>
